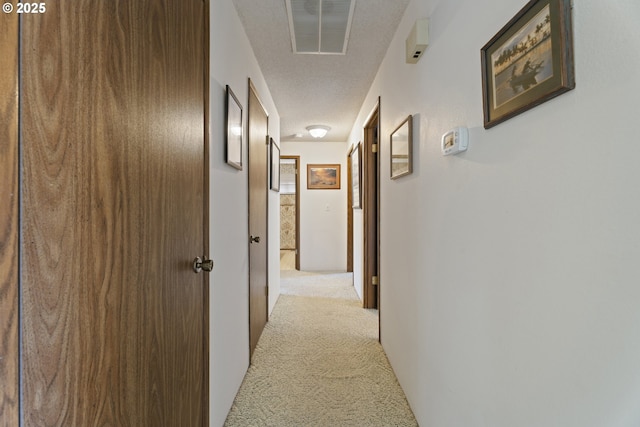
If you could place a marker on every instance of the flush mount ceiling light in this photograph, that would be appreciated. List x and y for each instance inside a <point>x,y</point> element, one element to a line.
<point>318,131</point>
<point>320,26</point>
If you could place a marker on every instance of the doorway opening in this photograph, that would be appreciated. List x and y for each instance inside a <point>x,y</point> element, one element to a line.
<point>289,213</point>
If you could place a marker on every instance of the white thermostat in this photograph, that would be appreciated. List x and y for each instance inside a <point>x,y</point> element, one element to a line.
<point>455,141</point>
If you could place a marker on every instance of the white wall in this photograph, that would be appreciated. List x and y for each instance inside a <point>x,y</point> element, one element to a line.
<point>323,213</point>
<point>510,274</point>
<point>233,62</point>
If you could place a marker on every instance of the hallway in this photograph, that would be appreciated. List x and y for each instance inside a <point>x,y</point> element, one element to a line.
<point>508,272</point>
<point>319,362</point>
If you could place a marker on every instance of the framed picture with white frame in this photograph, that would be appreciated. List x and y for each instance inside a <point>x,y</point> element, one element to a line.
<point>275,165</point>
<point>233,136</point>
<point>355,158</point>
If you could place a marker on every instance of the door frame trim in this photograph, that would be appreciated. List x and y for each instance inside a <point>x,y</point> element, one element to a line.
<point>349,212</point>
<point>10,225</point>
<point>206,214</point>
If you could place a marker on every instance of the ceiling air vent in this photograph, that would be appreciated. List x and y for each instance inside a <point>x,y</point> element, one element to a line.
<point>320,26</point>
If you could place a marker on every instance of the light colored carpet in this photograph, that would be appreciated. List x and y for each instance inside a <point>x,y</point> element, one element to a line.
<point>312,284</point>
<point>319,363</point>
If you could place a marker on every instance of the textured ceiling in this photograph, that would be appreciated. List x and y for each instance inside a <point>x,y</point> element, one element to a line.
<point>319,89</point>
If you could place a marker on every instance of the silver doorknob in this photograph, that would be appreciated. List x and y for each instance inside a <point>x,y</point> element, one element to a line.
<point>255,239</point>
<point>199,264</point>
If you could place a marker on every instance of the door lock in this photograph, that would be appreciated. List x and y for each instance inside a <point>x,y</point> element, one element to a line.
<point>200,265</point>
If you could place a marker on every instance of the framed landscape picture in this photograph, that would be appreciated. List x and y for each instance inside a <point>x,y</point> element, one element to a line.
<point>356,161</point>
<point>275,165</point>
<point>529,61</point>
<point>233,136</point>
<point>401,146</point>
<point>323,177</point>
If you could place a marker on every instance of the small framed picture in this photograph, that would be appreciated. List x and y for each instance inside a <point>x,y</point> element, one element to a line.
<point>275,165</point>
<point>356,175</point>
<point>323,177</point>
<point>402,149</point>
<point>529,61</point>
<point>233,113</point>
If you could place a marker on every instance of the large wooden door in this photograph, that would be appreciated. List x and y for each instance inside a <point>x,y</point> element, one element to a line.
<point>258,195</point>
<point>112,138</point>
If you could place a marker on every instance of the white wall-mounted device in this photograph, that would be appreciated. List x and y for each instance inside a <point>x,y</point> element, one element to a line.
<point>417,41</point>
<point>455,141</point>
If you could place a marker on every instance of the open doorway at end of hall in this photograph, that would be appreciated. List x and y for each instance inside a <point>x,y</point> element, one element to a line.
<point>289,213</point>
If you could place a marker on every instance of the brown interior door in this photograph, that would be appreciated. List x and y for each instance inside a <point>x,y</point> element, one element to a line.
<point>113,318</point>
<point>258,194</point>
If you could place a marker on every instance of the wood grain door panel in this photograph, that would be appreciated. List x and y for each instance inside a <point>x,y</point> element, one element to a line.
<point>113,151</point>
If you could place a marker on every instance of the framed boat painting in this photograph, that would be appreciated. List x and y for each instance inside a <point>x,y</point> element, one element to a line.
<point>529,61</point>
